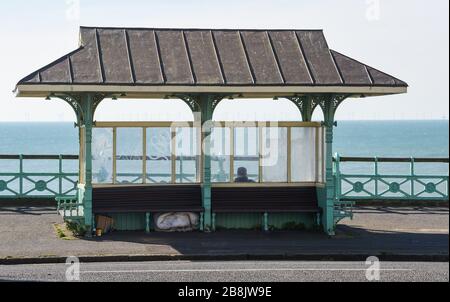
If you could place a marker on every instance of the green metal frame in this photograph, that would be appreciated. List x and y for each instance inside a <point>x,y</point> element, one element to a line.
<point>85,104</point>
<point>12,184</point>
<point>329,104</point>
<point>369,186</point>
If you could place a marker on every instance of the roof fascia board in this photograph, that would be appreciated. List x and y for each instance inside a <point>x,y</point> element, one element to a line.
<point>40,90</point>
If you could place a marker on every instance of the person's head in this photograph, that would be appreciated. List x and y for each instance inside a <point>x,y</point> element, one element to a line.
<point>242,172</point>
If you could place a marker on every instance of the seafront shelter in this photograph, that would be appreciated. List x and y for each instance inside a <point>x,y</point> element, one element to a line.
<point>232,174</point>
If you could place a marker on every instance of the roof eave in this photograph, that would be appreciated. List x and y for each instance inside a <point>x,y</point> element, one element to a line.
<point>161,91</point>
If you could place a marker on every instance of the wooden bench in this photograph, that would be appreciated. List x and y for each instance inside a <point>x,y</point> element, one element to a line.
<point>265,200</point>
<point>147,199</point>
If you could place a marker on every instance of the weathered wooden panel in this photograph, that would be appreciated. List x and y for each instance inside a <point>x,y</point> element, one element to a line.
<point>85,63</point>
<point>114,56</point>
<point>233,58</point>
<point>174,57</point>
<point>57,72</point>
<point>353,72</point>
<point>129,221</point>
<point>380,78</point>
<point>207,57</point>
<point>290,58</point>
<point>264,199</point>
<point>261,57</point>
<point>318,55</point>
<point>204,58</point>
<point>141,199</point>
<point>144,57</point>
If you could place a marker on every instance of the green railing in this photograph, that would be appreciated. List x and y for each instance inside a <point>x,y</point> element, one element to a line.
<point>391,179</point>
<point>369,180</point>
<point>18,181</point>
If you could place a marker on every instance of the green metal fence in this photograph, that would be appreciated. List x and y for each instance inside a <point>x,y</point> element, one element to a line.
<point>22,177</point>
<point>368,179</point>
<point>391,178</point>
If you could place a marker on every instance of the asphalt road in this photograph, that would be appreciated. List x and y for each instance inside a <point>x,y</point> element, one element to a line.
<point>267,271</point>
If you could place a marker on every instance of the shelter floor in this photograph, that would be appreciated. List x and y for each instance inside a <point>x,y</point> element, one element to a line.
<point>29,232</point>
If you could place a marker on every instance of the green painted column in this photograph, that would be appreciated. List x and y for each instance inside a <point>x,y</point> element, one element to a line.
<point>328,214</point>
<point>329,104</point>
<point>87,105</point>
<point>206,106</point>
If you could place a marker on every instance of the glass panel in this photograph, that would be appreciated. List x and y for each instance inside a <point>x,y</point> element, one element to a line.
<point>246,154</point>
<point>303,163</point>
<point>274,155</point>
<point>159,155</point>
<point>220,154</point>
<point>187,155</point>
<point>102,155</point>
<point>129,155</point>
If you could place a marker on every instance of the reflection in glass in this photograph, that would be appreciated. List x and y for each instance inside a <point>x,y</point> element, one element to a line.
<point>303,162</point>
<point>220,154</point>
<point>274,154</point>
<point>246,152</point>
<point>159,155</point>
<point>102,155</point>
<point>186,155</point>
<point>129,155</point>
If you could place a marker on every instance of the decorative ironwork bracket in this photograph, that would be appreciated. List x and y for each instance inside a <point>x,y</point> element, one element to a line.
<point>194,100</point>
<point>327,102</point>
<point>76,102</point>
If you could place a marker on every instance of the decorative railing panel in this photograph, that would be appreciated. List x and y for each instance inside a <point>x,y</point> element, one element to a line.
<point>38,176</point>
<point>50,176</point>
<point>391,178</point>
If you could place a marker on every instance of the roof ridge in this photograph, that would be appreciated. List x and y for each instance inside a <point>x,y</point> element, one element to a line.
<point>197,28</point>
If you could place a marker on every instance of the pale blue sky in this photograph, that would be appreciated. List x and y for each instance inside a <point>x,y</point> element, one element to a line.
<point>408,39</point>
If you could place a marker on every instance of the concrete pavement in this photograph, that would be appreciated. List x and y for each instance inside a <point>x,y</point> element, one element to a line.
<point>27,235</point>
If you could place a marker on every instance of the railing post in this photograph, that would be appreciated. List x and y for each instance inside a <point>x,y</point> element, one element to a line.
<point>60,172</point>
<point>338,176</point>
<point>413,174</point>
<point>20,175</point>
<point>376,176</point>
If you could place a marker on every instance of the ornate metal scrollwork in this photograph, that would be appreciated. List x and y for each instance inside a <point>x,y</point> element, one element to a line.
<point>306,104</point>
<point>76,102</point>
<point>193,100</point>
<point>327,102</point>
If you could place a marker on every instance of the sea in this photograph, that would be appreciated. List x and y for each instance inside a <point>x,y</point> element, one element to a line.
<point>352,138</point>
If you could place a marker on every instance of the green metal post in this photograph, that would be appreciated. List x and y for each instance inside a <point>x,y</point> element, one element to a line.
<point>21,175</point>
<point>60,176</point>
<point>376,176</point>
<point>87,105</point>
<point>338,176</point>
<point>328,214</point>
<point>413,173</point>
<point>206,105</point>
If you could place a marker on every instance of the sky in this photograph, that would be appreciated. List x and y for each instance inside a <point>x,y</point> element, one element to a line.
<point>406,38</point>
